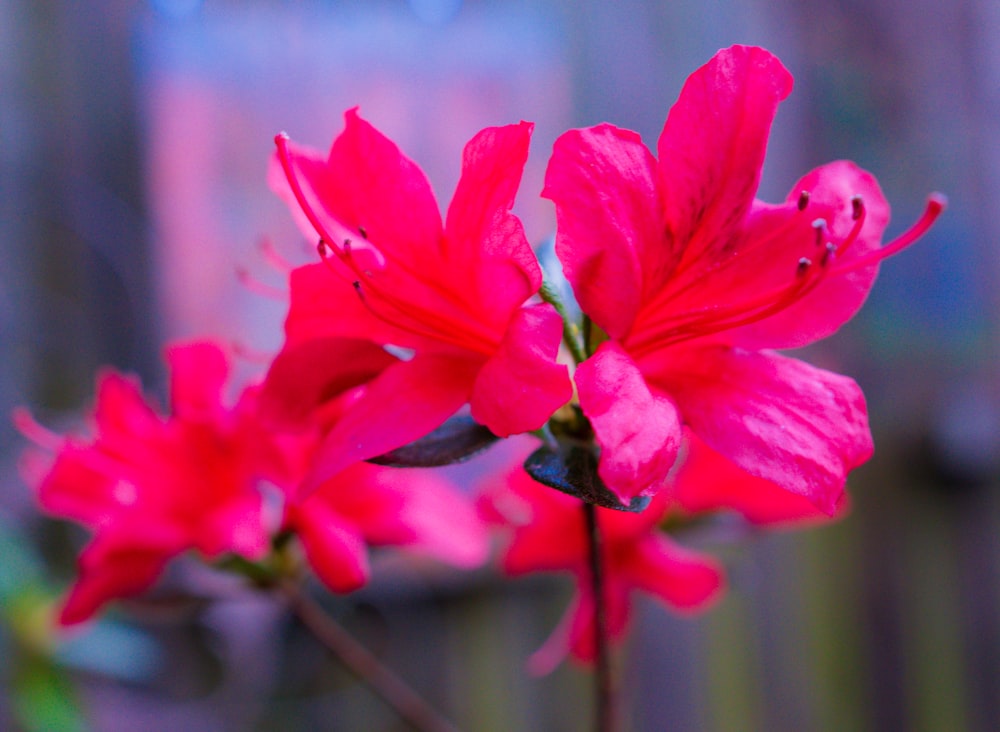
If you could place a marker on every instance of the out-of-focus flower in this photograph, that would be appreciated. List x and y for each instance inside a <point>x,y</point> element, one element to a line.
<point>368,505</point>
<point>150,487</point>
<point>548,533</point>
<point>690,277</point>
<point>452,294</point>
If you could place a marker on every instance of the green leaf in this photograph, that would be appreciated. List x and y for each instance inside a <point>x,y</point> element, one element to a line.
<point>573,470</point>
<point>458,439</point>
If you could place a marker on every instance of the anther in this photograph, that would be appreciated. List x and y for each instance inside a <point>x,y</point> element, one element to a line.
<point>804,264</point>
<point>321,248</point>
<point>857,207</point>
<point>803,200</point>
<point>819,226</point>
<point>828,253</point>
<point>364,234</point>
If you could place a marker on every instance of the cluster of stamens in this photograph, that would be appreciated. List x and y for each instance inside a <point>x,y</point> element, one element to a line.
<point>383,303</point>
<point>675,327</point>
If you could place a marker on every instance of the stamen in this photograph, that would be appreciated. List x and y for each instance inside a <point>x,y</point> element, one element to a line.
<point>260,288</point>
<point>857,207</point>
<point>364,234</point>
<point>679,327</point>
<point>819,229</point>
<point>828,254</point>
<point>803,200</point>
<point>32,430</point>
<point>936,204</point>
<point>274,258</point>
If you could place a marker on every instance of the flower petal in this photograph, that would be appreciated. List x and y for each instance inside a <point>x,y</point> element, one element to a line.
<point>334,547</point>
<point>639,432</point>
<point>485,245</point>
<point>305,375</point>
<point>707,481</point>
<point>403,403</point>
<point>684,579</point>
<point>609,236</point>
<point>414,508</point>
<point>366,184</point>
<point>198,372</point>
<point>712,147</point>
<point>114,565</point>
<point>325,304</point>
<point>521,385</point>
<point>777,418</point>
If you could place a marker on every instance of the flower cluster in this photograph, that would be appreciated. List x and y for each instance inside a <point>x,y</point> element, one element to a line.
<point>416,341</point>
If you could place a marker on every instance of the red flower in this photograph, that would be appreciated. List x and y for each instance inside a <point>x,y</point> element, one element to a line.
<point>690,278</point>
<point>151,488</point>
<point>549,534</point>
<point>453,294</point>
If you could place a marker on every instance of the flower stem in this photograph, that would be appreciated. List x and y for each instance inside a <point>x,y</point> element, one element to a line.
<point>604,689</point>
<point>571,332</point>
<point>363,664</point>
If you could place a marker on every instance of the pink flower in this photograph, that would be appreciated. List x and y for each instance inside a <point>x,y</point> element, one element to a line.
<point>691,279</point>
<point>367,505</point>
<point>549,534</point>
<point>151,488</point>
<point>453,294</point>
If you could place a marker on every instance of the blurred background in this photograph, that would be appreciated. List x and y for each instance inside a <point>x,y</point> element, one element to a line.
<point>134,139</point>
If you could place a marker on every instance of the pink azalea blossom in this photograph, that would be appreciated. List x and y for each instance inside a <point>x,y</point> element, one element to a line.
<point>453,294</point>
<point>692,279</point>
<point>548,533</point>
<point>151,488</point>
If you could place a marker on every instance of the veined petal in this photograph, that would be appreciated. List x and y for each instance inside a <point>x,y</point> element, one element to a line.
<point>521,385</point>
<point>609,236</point>
<point>707,481</point>
<point>483,239</point>
<point>403,403</point>
<point>639,432</point>
<point>712,147</point>
<point>777,418</point>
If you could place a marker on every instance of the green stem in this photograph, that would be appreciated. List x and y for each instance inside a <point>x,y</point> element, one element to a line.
<point>571,332</point>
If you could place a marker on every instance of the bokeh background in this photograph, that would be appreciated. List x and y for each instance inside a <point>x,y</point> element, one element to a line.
<point>134,138</point>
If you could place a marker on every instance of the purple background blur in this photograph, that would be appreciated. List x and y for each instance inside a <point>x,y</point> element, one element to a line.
<point>134,139</point>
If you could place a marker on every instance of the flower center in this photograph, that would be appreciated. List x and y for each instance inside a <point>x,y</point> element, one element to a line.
<point>361,265</point>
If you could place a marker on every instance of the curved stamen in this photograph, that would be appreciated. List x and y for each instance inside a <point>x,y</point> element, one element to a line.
<point>936,204</point>
<point>31,429</point>
<point>260,288</point>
